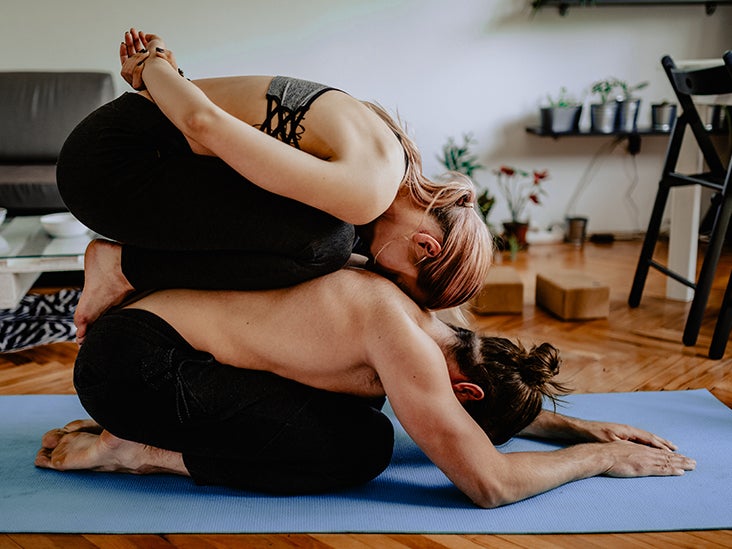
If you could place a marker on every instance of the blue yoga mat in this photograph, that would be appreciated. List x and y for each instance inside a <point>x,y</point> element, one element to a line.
<point>412,495</point>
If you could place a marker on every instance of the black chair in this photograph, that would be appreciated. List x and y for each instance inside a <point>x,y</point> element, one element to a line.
<point>687,83</point>
<point>724,320</point>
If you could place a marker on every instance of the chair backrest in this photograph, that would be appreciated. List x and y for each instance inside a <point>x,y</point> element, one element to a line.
<point>714,80</point>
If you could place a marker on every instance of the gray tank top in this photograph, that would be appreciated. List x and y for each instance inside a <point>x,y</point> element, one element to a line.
<point>288,99</point>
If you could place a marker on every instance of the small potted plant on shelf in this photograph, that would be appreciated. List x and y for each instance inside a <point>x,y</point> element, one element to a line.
<point>602,114</point>
<point>626,119</point>
<point>663,116</point>
<point>520,188</point>
<point>562,115</point>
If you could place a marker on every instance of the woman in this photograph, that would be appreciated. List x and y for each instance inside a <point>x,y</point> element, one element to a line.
<point>186,176</point>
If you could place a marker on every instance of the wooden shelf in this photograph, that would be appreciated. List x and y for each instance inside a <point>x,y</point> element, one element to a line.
<point>564,5</point>
<point>538,130</point>
<point>633,138</point>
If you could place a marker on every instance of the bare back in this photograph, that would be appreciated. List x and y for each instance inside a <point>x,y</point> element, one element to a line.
<point>324,135</point>
<point>320,333</point>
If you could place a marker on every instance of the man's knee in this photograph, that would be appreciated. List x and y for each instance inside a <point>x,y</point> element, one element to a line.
<point>367,452</point>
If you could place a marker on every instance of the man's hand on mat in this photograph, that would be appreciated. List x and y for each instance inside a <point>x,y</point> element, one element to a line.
<point>600,431</point>
<point>636,460</point>
<point>556,426</point>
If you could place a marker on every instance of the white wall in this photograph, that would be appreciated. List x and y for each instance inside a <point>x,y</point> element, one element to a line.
<point>479,66</point>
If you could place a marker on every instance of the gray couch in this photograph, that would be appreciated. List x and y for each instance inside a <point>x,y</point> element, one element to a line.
<point>37,111</point>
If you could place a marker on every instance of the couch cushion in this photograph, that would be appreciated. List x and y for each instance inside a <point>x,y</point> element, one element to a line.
<point>39,109</point>
<point>29,189</point>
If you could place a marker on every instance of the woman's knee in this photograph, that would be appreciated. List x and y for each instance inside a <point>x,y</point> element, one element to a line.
<point>331,249</point>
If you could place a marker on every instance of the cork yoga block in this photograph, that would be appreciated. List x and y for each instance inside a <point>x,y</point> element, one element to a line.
<point>572,295</point>
<point>502,292</point>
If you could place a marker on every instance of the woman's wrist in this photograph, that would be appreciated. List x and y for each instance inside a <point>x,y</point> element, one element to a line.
<point>167,55</point>
<point>154,41</point>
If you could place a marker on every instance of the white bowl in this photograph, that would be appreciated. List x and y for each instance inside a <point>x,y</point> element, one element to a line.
<point>62,225</point>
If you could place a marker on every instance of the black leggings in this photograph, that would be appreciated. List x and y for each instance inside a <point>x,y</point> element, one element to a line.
<point>139,379</point>
<point>187,220</point>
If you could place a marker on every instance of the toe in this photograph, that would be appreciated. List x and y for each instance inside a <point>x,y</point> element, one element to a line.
<point>51,439</point>
<point>43,458</point>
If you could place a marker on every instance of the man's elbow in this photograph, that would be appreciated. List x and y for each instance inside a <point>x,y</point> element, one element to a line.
<point>489,502</point>
<point>491,497</point>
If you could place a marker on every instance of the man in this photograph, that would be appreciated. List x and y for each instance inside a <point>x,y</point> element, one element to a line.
<point>287,404</point>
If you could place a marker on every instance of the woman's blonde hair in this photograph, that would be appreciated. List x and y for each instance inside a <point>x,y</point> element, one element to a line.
<point>457,273</point>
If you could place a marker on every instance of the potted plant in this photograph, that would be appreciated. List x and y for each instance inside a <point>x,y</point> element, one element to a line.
<point>459,158</point>
<point>602,114</point>
<point>562,115</point>
<point>626,119</point>
<point>486,201</point>
<point>663,116</point>
<point>519,188</point>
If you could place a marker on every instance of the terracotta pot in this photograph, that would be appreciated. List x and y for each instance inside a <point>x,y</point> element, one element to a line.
<point>516,229</point>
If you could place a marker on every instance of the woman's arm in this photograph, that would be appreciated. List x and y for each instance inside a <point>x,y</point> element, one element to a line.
<point>551,425</point>
<point>356,187</point>
<point>138,42</point>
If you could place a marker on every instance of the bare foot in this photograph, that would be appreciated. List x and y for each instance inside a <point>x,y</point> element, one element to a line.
<point>104,284</point>
<point>83,444</point>
<point>52,438</point>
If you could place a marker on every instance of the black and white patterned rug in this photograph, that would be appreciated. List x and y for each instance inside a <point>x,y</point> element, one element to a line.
<point>39,319</point>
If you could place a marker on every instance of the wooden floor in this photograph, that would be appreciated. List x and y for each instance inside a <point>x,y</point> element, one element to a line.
<point>633,350</point>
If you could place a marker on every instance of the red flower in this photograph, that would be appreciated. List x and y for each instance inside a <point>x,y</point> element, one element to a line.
<point>534,198</point>
<point>540,176</point>
<point>508,171</point>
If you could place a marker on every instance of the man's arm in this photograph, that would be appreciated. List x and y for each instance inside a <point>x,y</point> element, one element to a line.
<point>551,425</point>
<point>414,375</point>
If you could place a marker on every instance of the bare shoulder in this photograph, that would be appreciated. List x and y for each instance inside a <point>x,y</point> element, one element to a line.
<point>388,318</point>
<point>371,289</point>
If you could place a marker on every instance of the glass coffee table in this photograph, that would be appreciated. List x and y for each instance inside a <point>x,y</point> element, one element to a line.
<point>26,251</point>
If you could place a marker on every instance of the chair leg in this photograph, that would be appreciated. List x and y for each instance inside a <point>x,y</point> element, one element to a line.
<point>706,275</point>
<point>649,245</point>
<point>723,326</point>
